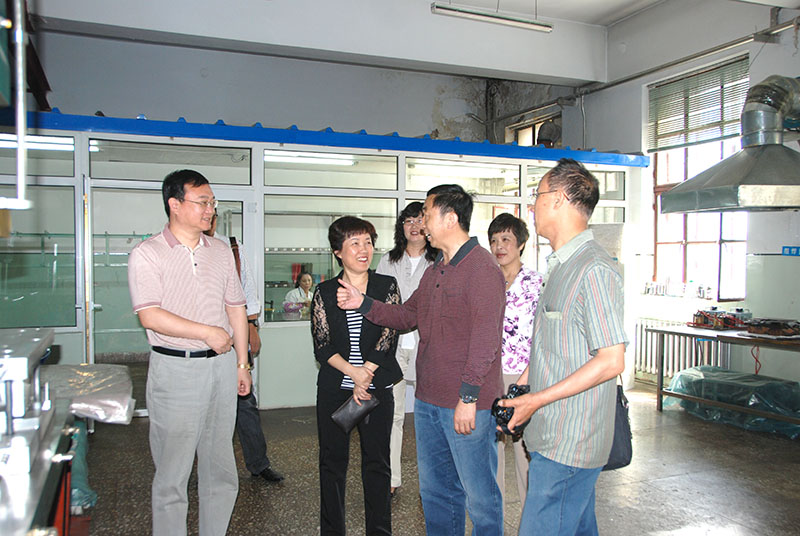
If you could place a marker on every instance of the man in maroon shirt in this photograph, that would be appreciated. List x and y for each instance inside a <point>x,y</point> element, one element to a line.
<point>458,310</point>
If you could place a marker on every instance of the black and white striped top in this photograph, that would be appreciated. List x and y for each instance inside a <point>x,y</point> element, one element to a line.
<point>354,321</point>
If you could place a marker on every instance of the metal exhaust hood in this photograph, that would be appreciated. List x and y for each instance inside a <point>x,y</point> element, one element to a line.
<point>765,174</point>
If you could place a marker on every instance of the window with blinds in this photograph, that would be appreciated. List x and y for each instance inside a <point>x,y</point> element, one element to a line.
<point>697,108</point>
<point>694,123</point>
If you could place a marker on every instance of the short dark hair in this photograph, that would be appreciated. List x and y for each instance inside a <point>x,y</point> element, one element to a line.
<point>175,182</point>
<point>453,198</point>
<point>509,222</point>
<point>345,227</point>
<point>578,184</point>
<point>300,276</point>
<point>413,210</point>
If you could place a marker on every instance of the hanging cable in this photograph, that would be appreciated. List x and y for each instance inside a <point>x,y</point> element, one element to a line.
<point>755,351</point>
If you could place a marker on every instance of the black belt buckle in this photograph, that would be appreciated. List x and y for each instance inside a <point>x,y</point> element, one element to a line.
<point>184,353</point>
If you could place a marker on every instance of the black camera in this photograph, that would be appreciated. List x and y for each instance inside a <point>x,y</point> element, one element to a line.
<point>503,415</point>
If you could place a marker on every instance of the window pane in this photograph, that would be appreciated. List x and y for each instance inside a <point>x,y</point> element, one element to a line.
<point>701,106</point>
<point>529,255</point>
<point>669,226</point>
<point>153,161</point>
<point>607,215</point>
<point>669,258</point>
<point>732,271</point>
<point>47,155</point>
<point>702,226</point>
<point>670,166</point>
<point>37,260</point>
<point>544,250</point>
<point>296,238</point>
<point>229,220</point>
<point>422,174</point>
<point>731,146</point>
<point>702,261</point>
<point>116,231</point>
<point>482,216</point>
<point>534,175</point>
<point>701,157</point>
<point>334,170</point>
<point>734,225</point>
<point>525,137</point>
<point>612,185</point>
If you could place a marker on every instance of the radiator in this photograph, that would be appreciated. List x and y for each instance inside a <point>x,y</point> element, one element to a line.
<point>680,352</point>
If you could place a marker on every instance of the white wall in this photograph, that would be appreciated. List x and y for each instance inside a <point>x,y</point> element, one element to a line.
<point>389,33</point>
<point>616,119</point>
<point>124,79</point>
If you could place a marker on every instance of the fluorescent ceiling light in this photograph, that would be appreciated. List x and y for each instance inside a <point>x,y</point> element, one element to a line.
<point>44,143</point>
<point>490,16</point>
<point>428,170</point>
<point>450,168</point>
<point>293,157</point>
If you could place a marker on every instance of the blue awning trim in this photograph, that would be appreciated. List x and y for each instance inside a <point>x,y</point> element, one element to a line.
<point>55,120</point>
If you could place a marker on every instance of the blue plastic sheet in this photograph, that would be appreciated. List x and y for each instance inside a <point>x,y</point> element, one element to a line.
<point>747,390</point>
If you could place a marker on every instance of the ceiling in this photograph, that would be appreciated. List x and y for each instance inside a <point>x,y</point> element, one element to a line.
<point>599,12</point>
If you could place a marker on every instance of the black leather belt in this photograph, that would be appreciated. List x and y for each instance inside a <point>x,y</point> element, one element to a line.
<point>184,353</point>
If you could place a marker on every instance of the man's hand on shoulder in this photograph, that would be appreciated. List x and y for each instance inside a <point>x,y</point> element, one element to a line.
<point>218,340</point>
<point>464,418</point>
<point>348,297</point>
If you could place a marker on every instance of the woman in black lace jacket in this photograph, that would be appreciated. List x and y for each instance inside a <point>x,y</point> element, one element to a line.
<point>356,359</point>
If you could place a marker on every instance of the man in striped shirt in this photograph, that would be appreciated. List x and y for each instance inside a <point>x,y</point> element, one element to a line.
<point>578,350</point>
<point>186,292</point>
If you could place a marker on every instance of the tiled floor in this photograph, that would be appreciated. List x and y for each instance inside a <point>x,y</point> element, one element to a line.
<point>688,477</point>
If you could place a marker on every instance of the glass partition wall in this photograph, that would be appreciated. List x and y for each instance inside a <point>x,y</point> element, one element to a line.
<point>296,240</point>
<point>279,207</point>
<point>37,261</point>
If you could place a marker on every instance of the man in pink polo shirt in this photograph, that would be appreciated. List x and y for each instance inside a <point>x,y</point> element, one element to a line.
<point>186,291</point>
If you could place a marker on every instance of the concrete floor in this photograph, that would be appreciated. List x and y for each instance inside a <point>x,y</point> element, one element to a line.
<point>688,477</point>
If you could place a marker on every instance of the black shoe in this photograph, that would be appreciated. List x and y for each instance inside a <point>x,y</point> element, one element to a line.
<point>270,475</point>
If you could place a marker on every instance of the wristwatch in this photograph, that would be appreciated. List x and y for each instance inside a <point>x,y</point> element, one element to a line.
<point>253,321</point>
<point>244,366</point>
<point>468,399</point>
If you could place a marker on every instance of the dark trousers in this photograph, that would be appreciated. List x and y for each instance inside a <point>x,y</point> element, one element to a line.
<point>248,426</point>
<point>334,452</point>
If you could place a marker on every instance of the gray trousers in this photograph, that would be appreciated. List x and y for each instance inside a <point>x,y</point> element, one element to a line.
<point>403,357</point>
<point>520,460</point>
<point>192,408</point>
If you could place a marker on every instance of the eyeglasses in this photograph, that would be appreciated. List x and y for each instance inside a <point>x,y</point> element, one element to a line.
<point>213,203</point>
<point>413,221</point>
<point>534,195</point>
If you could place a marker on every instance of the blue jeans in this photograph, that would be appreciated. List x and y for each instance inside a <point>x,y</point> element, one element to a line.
<point>560,499</point>
<point>457,472</point>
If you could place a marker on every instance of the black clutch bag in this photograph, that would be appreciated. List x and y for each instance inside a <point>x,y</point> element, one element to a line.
<point>621,448</point>
<point>350,414</point>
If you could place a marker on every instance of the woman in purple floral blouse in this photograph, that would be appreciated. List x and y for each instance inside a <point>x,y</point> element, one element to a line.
<point>507,238</point>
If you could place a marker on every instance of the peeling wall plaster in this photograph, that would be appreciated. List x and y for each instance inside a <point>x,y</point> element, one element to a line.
<point>453,106</point>
<point>508,97</point>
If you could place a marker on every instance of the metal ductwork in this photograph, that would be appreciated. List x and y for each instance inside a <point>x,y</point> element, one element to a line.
<point>765,174</point>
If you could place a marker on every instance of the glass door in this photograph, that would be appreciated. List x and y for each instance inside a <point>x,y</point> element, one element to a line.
<point>126,207</point>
